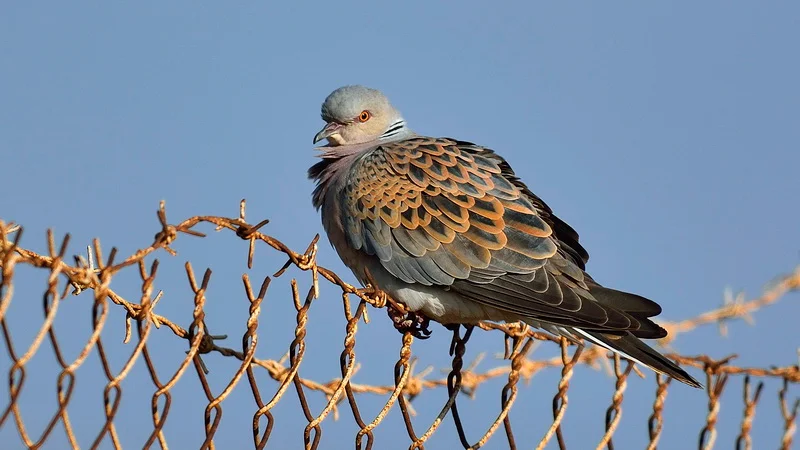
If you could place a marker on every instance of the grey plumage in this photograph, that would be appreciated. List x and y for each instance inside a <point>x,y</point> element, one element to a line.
<point>447,228</point>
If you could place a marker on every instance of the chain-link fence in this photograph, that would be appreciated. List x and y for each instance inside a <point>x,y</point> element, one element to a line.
<point>95,271</point>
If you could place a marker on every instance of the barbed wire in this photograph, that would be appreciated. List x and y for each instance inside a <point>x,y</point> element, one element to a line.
<point>94,273</point>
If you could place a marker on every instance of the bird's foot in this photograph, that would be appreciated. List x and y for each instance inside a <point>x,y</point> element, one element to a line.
<point>410,322</point>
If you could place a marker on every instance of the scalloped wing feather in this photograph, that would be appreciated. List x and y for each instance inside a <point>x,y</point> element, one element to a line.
<point>442,212</point>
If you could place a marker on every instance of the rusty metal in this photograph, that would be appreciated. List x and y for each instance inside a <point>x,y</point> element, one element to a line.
<point>93,272</point>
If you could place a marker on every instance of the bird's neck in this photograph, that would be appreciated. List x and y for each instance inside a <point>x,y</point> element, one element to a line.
<point>335,162</point>
<point>397,131</point>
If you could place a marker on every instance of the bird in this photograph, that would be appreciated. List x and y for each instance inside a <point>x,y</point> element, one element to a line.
<point>446,228</point>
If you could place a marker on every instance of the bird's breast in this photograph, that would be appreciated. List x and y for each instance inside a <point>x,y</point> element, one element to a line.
<point>333,223</point>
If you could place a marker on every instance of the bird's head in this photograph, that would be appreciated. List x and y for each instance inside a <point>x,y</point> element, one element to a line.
<point>358,115</point>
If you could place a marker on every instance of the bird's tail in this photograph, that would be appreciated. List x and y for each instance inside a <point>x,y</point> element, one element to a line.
<point>631,347</point>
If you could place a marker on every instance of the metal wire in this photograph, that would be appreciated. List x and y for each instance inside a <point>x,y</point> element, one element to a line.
<point>96,273</point>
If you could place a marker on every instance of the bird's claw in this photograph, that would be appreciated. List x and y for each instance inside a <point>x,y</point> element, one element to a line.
<point>410,322</point>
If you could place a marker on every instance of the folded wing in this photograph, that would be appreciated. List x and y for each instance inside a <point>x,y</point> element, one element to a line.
<point>449,213</point>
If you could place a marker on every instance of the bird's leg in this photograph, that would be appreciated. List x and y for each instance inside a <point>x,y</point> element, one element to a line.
<point>404,320</point>
<point>412,322</point>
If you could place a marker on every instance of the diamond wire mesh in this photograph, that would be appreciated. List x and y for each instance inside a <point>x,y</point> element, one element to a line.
<point>86,275</point>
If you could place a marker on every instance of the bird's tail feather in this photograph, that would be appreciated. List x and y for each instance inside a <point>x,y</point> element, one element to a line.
<point>631,347</point>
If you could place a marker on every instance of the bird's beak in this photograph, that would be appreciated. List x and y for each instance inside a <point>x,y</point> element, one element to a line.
<point>330,129</point>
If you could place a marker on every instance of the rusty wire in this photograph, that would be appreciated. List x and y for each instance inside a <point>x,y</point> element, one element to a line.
<point>96,272</point>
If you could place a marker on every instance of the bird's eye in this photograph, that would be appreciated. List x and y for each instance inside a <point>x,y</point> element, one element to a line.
<point>364,116</point>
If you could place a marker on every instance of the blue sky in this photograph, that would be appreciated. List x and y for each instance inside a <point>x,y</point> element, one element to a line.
<point>666,134</point>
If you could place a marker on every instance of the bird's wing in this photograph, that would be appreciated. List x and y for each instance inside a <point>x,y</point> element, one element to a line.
<point>449,213</point>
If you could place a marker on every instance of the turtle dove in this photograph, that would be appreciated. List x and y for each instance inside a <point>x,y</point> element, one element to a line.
<point>446,228</point>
